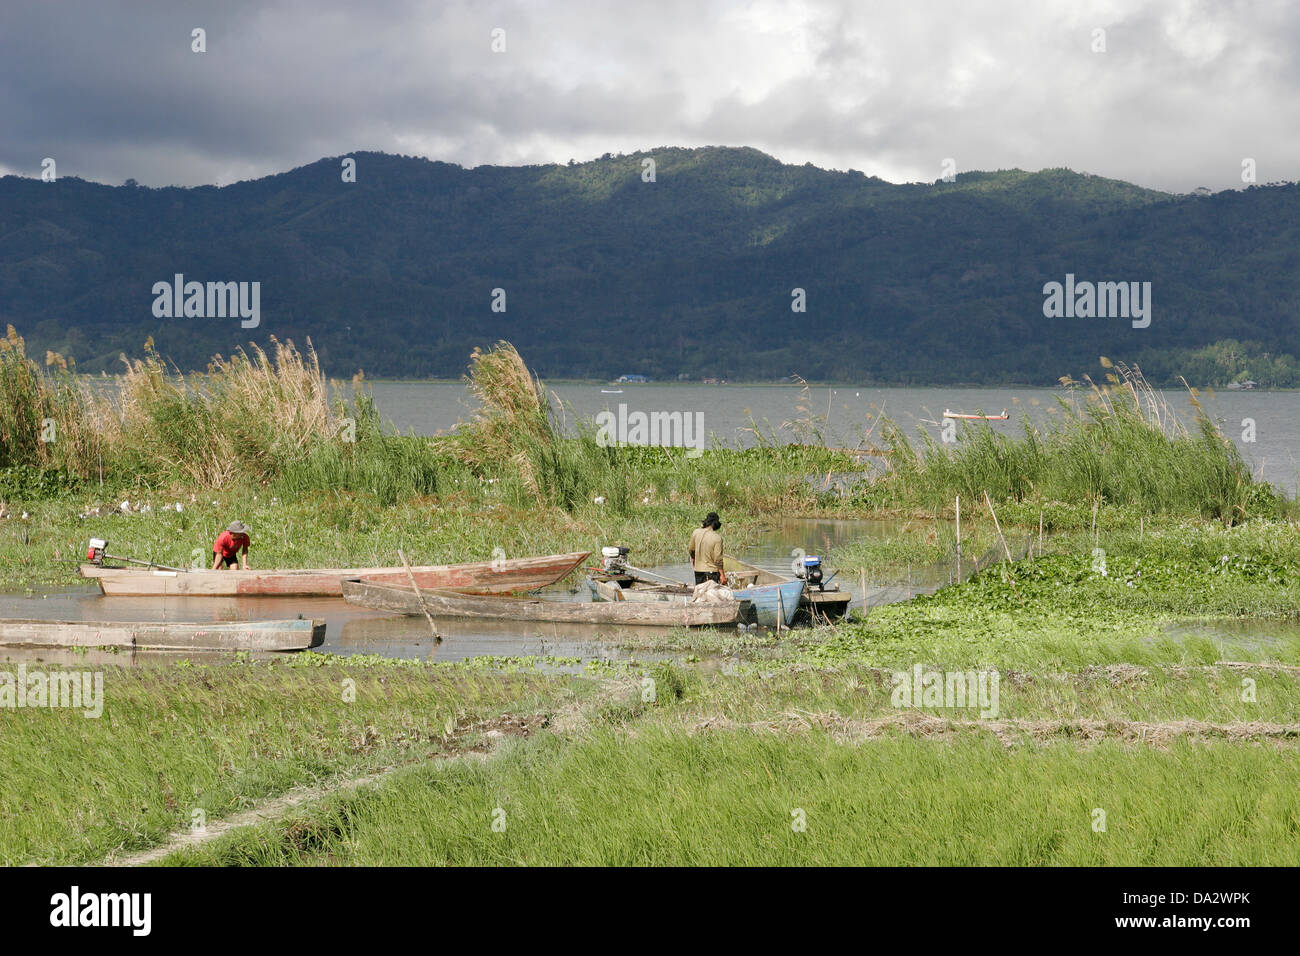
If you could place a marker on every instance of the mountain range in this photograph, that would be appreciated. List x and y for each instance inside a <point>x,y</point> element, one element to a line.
<point>689,266</point>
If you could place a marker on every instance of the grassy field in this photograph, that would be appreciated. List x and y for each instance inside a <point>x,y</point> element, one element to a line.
<point>179,739</point>
<point>665,797</point>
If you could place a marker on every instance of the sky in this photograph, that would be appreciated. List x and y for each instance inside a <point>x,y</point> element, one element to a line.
<point>1169,94</point>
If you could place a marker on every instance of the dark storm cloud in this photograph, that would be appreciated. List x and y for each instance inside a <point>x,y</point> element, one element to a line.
<point>1183,93</point>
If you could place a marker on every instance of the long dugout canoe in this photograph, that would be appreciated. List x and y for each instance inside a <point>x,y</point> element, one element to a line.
<point>383,597</point>
<point>288,635</point>
<point>499,577</point>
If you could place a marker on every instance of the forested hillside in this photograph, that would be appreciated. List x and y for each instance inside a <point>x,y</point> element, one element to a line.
<point>689,275</point>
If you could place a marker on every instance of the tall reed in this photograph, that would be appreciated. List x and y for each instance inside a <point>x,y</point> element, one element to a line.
<point>1123,445</point>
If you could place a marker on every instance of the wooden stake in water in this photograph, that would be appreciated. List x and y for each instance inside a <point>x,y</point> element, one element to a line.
<point>959,537</point>
<point>863,572</point>
<point>433,628</point>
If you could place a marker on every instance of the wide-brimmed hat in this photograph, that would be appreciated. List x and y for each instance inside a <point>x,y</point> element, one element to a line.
<point>237,527</point>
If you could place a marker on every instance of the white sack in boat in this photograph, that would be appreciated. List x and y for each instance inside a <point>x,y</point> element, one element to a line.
<point>711,592</point>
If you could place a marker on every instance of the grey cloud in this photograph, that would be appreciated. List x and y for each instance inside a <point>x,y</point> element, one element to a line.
<point>1185,90</point>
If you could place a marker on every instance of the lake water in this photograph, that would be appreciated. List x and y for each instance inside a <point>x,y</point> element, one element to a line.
<point>727,410</point>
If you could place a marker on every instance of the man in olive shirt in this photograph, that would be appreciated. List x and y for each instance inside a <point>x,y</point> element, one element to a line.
<point>705,549</point>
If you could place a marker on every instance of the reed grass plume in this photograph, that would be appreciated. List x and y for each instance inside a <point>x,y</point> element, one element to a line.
<point>514,421</point>
<point>248,415</point>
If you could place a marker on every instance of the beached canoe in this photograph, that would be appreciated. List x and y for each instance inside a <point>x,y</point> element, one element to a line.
<point>506,575</point>
<point>288,635</point>
<point>830,604</point>
<point>383,597</point>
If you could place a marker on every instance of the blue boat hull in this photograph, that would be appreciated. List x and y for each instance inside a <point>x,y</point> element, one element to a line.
<point>770,600</point>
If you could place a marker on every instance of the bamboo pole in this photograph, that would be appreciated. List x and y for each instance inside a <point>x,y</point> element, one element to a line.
<point>989,502</point>
<point>433,628</point>
<point>959,537</point>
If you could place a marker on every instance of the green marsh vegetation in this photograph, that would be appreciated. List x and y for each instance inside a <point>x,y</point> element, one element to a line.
<point>1123,446</point>
<point>173,739</point>
<point>257,436</point>
<point>1110,697</point>
<point>722,775</point>
<point>730,798</point>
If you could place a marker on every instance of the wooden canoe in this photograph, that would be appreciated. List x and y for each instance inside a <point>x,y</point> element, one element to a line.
<point>976,418</point>
<point>830,605</point>
<point>760,604</point>
<point>645,593</point>
<point>517,574</point>
<point>288,635</point>
<point>383,597</point>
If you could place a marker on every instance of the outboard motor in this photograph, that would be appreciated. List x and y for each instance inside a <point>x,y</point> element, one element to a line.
<point>614,559</point>
<point>811,571</point>
<point>96,551</point>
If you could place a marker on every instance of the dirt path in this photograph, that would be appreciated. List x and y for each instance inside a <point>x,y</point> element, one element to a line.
<point>486,737</point>
<point>1010,732</point>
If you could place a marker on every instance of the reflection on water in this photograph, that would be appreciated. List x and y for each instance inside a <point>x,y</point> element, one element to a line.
<point>404,636</point>
<point>1250,635</point>
<point>349,630</point>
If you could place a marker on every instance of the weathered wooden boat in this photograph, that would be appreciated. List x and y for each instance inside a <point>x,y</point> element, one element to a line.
<point>386,597</point>
<point>502,576</point>
<point>641,591</point>
<point>288,635</point>
<point>830,604</point>
<point>760,604</point>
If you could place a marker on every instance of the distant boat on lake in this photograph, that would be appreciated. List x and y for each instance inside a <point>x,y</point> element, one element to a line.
<point>982,418</point>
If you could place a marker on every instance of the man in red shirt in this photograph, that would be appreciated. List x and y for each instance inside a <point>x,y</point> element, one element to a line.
<point>231,545</point>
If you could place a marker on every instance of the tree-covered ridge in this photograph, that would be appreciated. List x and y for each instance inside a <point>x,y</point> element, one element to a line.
<point>691,274</point>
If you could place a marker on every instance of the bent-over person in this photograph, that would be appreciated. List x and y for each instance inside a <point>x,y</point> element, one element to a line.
<point>231,546</point>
